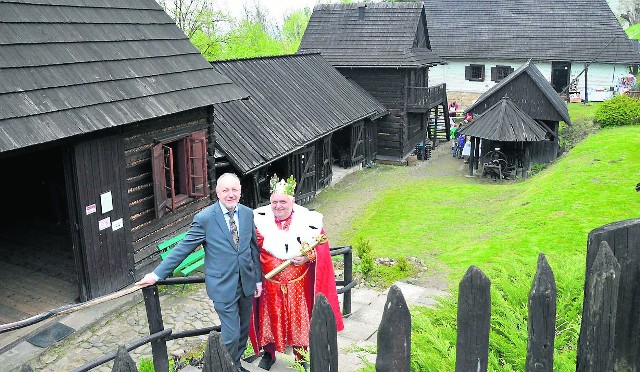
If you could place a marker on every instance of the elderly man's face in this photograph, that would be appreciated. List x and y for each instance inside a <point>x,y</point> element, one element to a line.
<point>281,205</point>
<point>228,192</point>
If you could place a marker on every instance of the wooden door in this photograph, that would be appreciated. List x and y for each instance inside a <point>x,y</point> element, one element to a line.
<point>357,143</point>
<point>100,216</point>
<point>301,164</point>
<point>324,162</point>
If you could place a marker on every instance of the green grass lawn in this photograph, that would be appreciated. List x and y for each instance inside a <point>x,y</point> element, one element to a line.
<point>501,228</point>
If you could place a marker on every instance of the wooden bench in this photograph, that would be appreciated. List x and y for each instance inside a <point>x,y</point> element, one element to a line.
<point>191,263</point>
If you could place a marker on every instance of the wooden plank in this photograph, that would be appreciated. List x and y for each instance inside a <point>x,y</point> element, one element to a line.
<point>474,315</point>
<point>542,318</point>
<point>323,337</point>
<point>394,334</point>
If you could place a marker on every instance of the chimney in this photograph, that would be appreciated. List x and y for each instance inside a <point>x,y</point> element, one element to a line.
<point>361,9</point>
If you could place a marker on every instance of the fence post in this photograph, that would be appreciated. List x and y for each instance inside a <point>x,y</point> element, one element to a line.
<point>216,355</point>
<point>474,315</point>
<point>598,328</point>
<point>154,317</point>
<point>623,238</point>
<point>323,337</point>
<point>394,334</point>
<point>348,277</point>
<point>542,318</point>
<point>123,361</point>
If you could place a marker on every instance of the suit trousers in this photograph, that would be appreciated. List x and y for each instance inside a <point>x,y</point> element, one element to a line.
<point>234,321</point>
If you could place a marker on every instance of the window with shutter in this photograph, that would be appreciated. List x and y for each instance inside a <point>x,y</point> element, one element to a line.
<point>179,171</point>
<point>474,72</point>
<point>500,72</point>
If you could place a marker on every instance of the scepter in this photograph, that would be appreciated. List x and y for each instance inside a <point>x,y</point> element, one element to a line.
<point>305,248</point>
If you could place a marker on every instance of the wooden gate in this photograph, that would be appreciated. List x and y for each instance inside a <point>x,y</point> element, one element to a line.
<point>357,143</point>
<point>324,161</point>
<point>370,144</point>
<point>100,213</point>
<point>301,164</point>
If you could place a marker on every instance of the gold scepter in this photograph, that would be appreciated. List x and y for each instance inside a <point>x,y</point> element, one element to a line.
<point>305,248</point>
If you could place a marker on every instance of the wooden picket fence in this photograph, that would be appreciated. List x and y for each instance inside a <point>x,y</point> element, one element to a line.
<point>609,334</point>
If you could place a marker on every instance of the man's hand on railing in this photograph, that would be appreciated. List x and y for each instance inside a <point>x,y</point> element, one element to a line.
<point>147,280</point>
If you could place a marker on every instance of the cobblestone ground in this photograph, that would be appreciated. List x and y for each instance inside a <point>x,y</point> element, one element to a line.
<point>191,311</point>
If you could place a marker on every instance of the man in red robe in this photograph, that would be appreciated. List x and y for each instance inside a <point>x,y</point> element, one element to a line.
<point>282,316</point>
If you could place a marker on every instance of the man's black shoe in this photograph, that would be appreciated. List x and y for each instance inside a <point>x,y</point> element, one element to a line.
<point>266,362</point>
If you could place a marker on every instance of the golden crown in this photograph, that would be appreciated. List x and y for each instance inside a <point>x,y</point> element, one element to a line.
<point>286,187</point>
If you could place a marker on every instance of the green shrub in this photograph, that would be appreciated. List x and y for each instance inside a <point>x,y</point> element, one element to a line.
<point>145,365</point>
<point>363,251</point>
<point>618,111</point>
<point>403,264</point>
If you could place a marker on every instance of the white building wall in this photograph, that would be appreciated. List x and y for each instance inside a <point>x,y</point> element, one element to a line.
<point>601,77</point>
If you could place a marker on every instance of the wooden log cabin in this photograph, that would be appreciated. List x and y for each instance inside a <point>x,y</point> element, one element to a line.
<point>528,89</point>
<point>385,48</point>
<point>302,117</point>
<point>91,94</point>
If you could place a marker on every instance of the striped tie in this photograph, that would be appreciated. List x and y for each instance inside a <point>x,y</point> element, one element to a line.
<point>233,228</point>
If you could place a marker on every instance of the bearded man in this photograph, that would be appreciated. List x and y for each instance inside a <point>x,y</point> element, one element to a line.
<point>282,315</point>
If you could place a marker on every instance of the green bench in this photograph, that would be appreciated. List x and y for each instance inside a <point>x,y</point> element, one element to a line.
<point>191,263</point>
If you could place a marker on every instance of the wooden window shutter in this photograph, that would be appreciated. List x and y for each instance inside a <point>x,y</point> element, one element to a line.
<point>197,164</point>
<point>494,74</point>
<point>169,176</point>
<point>467,72</point>
<point>159,180</point>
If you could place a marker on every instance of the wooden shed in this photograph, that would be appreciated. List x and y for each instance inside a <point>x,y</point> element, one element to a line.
<point>385,48</point>
<point>527,88</point>
<point>96,100</point>
<point>303,117</point>
<point>502,139</point>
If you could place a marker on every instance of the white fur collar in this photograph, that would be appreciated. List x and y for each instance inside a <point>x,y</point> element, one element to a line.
<point>305,224</point>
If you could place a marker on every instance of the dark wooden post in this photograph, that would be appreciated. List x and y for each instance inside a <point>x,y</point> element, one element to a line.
<point>394,334</point>
<point>542,318</point>
<point>323,337</point>
<point>216,355</point>
<point>476,159</point>
<point>472,154</point>
<point>123,361</point>
<point>598,328</point>
<point>474,315</point>
<point>348,277</point>
<point>154,316</point>
<point>623,238</point>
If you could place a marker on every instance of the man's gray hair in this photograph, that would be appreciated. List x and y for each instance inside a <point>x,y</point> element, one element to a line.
<point>225,176</point>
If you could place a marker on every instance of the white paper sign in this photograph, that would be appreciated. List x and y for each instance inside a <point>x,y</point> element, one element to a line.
<point>104,223</point>
<point>117,224</point>
<point>90,209</point>
<point>106,202</point>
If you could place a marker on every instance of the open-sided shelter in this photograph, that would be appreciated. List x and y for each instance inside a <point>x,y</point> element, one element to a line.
<point>505,133</point>
<point>533,94</point>
<point>385,48</point>
<point>303,116</point>
<point>482,41</point>
<point>102,104</point>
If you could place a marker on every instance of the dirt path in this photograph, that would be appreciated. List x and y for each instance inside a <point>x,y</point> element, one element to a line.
<point>345,201</point>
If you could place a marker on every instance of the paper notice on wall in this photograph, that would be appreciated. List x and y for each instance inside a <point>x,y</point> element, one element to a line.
<point>106,202</point>
<point>117,224</point>
<point>90,209</point>
<point>104,223</point>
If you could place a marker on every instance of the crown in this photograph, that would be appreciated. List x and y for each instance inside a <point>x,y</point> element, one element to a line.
<point>286,187</point>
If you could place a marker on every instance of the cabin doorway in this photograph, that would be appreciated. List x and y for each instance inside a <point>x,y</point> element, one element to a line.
<point>560,73</point>
<point>37,269</point>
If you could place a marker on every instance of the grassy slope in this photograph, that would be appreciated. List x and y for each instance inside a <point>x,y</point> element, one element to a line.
<point>501,228</point>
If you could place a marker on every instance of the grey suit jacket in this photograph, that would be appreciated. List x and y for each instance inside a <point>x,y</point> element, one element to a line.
<point>225,266</point>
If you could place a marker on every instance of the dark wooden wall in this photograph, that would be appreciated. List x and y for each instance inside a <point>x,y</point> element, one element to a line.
<point>527,95</point>
<point>388,86</point>
<point>147,230</point>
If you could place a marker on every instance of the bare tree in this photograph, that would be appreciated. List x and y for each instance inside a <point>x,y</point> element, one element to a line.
<point>194,15</point>
<point>629,11</point>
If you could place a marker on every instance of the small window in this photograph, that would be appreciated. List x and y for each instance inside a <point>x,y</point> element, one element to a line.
<point>474,72</point>
<point>500,72</point>
<point>179,171</point>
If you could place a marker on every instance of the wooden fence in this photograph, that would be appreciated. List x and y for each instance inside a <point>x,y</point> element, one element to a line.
<point>609,331</point>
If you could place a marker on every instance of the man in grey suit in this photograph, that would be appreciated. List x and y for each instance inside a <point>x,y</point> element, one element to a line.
<point>233,274</point>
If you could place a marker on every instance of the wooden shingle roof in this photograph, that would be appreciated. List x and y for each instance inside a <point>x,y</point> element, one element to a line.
<point>383,35</point>
<point>294,100</point>
<point>491,95</point>
<point>70,67</point>
<point>542,30</point>
<point>505,121</point>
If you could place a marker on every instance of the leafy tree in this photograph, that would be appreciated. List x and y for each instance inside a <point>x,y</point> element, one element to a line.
<point>628,11</point>
<point>293,29</point>
<point>193,16</point>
